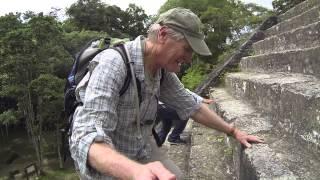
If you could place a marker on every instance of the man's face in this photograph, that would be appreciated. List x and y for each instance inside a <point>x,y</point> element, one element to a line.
<point>175,53</point>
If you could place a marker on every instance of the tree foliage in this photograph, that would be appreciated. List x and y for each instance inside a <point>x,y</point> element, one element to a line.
<point>95,15</point>
<point>194,75</point>
<point>135,21</point>
<point>28,51</point>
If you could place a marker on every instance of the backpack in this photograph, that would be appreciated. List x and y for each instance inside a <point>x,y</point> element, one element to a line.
<point>78,71</point>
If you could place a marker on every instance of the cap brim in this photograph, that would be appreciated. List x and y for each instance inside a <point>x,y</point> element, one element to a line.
<point>198,45</point>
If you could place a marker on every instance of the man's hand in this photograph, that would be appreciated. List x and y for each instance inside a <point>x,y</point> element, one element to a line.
<point>246,139</point>
<point>207,101</point>
<point>153,171</point>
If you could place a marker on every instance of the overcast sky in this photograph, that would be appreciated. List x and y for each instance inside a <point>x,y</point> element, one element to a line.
<point>150,6</point>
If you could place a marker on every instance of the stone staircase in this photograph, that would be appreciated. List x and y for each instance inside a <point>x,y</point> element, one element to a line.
<point>277,97</point>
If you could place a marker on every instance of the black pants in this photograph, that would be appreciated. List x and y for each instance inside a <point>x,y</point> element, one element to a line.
<point>169,118</point>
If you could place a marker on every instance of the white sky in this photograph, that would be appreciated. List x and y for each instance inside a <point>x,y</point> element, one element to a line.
<point>150,6</point>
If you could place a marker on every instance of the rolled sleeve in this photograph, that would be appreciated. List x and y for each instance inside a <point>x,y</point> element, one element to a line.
<point>198,98</point>
<point>97,118</point>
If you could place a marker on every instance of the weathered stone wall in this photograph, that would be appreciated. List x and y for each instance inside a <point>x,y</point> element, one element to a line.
<point>277,96</point>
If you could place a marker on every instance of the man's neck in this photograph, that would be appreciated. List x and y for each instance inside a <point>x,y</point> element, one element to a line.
<point>149,58</point>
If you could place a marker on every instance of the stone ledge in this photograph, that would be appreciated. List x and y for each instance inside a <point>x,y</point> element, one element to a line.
<point>279,158</point>
<point>308,17</point>
<point>299,9</point>
<point>300,38</point>
<point>295,61</point>
<point>292,100</point>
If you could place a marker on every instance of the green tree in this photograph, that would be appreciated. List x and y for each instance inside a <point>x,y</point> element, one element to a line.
<point>47,99</point>
<point>9,23</point>
<point>75,40</point>
<point>93,15</point>
<point>28,51</point>
<point>194,75</point>
<point>7,118</point>
<point>135,21</point>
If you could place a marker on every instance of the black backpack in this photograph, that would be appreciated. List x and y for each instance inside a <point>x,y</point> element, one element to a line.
<point>78,71</point>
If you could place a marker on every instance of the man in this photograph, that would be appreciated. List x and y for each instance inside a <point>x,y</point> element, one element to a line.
<point>111,138</point>
<point>169,117</point>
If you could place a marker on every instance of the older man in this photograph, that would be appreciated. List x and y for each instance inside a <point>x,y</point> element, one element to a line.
<point>107,142</point>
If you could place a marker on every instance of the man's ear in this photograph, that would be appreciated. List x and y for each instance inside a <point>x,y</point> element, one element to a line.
<point>162,34</point>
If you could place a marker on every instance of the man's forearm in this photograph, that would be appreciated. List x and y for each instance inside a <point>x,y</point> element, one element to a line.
<point>109,162</point>
<point>211,119</point>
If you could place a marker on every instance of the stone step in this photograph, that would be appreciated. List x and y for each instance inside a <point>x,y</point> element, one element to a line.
<point>292,100</point>
<point>203,144</point>
<point>210,157</point>
<point>305,61</point>
<point>299,9</point>
<point>300,38</point>
<point>280,157</point>
<point>308,17</point>
<point>179,154</point>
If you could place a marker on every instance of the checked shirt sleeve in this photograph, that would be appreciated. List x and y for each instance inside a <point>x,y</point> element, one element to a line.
<point>174,94</point>
<point>97,118</point>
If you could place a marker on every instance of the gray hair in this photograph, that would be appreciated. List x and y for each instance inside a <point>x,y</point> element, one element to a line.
<point>155,28</point>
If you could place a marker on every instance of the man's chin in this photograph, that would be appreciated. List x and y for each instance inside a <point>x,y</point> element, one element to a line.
<point>174,71</point>
<point>172,68</point>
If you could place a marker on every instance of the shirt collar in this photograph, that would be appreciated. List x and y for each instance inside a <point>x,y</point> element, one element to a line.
<point>136,54</point>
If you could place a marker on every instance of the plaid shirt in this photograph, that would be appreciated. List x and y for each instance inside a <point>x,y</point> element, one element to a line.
<point>106,116</point>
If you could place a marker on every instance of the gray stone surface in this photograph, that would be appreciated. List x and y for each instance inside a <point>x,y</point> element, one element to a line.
<point>206,156</point>
<point>299,9</point>
<point>235,58</point>
<point>210,157</point>
<point>305,61</point>
<point>303,37</point>
<point>180,154</point>
<point>280,157</point>
<point>308,17</point>
<point>293,100</point>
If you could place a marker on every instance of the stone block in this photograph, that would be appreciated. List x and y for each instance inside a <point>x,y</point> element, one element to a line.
<point>303,37</point>
<point>305,61</point>
<point>308,17</point>
<point>299,9</point>
<point>280,157</point>
<point>292,100</point>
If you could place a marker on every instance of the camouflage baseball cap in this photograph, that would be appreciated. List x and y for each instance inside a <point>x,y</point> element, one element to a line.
<point>187,23</point>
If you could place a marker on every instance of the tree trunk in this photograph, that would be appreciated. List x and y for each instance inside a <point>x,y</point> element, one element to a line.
<point>59,146</point>
<point>30,121</point>
<point>2,134</point>
<point>40,119</point>
<point>7,131</point>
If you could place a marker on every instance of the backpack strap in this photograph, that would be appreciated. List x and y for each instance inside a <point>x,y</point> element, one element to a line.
<point>80,62</point>
<point>120,50</point>
<point>162,75</point>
